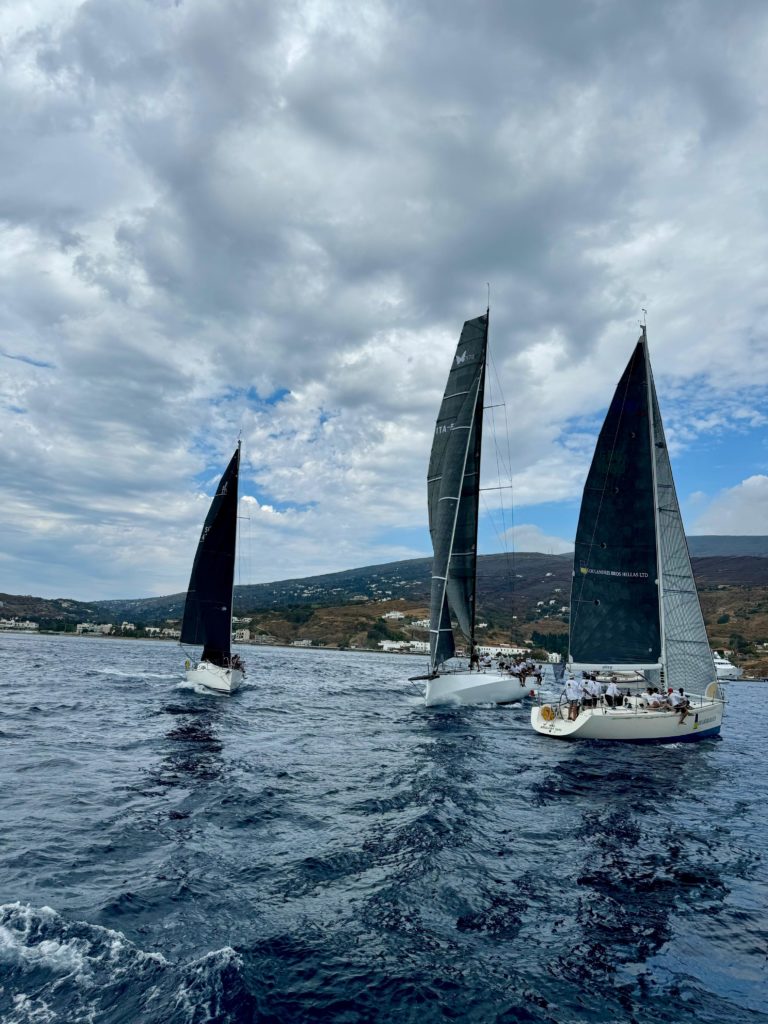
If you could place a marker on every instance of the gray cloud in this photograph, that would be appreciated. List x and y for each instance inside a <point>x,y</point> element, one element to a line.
<point>208,205</point>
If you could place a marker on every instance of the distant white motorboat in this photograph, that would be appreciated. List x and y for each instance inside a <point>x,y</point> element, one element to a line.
<point>453,493</point>
<point>208,607</point>
<point>726,669</point>
<point>634,605</point>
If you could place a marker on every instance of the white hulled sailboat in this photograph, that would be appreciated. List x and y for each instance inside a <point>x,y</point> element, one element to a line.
<point>453,490</point>
<point>634,606</point>
<point>208,608</point>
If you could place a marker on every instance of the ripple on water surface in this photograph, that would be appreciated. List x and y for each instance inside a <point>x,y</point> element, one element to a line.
<point>320,846</point>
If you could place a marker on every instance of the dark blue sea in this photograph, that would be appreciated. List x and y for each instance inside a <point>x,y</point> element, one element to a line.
<point>322,847</point>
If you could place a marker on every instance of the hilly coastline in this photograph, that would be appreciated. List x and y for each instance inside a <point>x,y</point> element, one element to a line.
<point>522,597</point>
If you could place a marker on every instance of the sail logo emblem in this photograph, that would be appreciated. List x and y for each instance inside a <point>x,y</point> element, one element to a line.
<point>613,572</point>
<point>224,488</point>
<point>459,360</point>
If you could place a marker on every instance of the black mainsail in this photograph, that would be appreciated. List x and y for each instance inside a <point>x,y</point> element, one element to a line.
<point>453,489</point>
<point>208,608</point>
<point>615,606</point>
<point>633,600</point>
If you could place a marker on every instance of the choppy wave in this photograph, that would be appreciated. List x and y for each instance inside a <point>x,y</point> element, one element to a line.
<point>321,847</point>
<point>72,971</point>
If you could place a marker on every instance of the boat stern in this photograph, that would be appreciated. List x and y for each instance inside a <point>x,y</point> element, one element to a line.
<point>214,677</point>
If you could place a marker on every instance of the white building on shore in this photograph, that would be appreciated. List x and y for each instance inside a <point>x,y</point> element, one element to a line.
<point>18,624</point>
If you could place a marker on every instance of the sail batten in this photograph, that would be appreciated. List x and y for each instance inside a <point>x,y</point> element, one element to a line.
<point>208,608</point>
<point>453,493</point>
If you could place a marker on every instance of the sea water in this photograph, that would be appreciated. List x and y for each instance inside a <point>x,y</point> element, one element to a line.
<point>322,847</point>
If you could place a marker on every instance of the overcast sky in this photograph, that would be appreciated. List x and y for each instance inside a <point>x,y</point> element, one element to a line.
<point>225,216</point>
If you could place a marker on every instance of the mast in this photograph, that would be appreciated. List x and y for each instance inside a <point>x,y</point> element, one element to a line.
<point>234,565</point>
<point>659,573</point>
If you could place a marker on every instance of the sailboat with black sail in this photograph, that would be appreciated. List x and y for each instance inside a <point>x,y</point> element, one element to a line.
<point>453,490</point>
<point>635,613</point>
<point>208,608</point>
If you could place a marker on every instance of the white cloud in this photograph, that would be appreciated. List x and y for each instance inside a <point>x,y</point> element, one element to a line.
<point>528,537</point>
<point>273,219</point>
<point>737,510</point>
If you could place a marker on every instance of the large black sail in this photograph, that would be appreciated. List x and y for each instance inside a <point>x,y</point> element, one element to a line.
<point>453,486</point>
<point>615,597</point>
<point>208,609</point>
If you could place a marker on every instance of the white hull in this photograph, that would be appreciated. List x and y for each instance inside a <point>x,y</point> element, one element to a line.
<point>214,677</point>
<point>475,688</point>
<point>725,670</point>
<point>631,725</point>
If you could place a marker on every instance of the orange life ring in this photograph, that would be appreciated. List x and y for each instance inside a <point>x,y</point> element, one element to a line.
<point>547,712</point>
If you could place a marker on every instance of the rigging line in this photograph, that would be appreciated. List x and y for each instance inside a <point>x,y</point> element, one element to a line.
<point>493,523</point>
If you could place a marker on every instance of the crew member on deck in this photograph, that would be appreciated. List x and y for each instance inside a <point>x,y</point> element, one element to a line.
<point>613,694</point>
<point>573,694</point>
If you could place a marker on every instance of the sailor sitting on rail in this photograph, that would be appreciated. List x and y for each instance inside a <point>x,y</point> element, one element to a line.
<point>680,702</point>
<point>657,701</point>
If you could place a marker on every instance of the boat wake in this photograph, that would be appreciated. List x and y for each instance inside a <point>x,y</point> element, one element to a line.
<point>120,674</point>
<point>193,687</point>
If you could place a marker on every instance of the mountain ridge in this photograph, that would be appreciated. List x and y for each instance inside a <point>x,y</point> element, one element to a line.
<point>508,584</point>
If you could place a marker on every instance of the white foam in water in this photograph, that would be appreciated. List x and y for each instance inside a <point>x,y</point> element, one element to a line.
<point>203,974</point>
<point>77,969</point>
<point>185,684</point>
<point>135,675</point>
<point>29,1010</point>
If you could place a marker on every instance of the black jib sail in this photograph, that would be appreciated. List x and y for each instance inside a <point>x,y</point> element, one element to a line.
<point>208,609</point>
<point>453,486</point>
<point>615,606</point>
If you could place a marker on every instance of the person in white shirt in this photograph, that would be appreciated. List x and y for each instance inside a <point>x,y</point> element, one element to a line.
<point>573,693</point>
<point>613,695</point>
<point>680,703</point>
